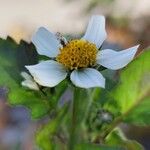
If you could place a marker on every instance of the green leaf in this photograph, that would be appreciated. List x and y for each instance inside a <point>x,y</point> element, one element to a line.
<point>140,115</point>
<point>132,94</point>
<point>13,57</point>
<point>116,137</point>
<point>46,138</point>
<point>87,146</point>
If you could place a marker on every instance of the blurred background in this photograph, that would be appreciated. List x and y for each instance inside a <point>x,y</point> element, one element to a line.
<point>127,24</point>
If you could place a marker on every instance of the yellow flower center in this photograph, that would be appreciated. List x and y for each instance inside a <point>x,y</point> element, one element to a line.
<point>77,54</point>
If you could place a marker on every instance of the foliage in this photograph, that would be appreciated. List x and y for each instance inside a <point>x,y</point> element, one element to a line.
<point>47,136</point>
<point>116,137</point>
<point>96,147</point>
<point>132,94</point>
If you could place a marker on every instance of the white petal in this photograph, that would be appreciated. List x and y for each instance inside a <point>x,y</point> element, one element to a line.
<point>26,76</point>
<point>95,32</point>
<point>30,84</point>
<point>115,60</point>
<point>48,73</point>
<point>46,43</point>
<point>87,78</point>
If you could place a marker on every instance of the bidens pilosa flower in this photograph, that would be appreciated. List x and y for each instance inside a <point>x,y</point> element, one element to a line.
<point>78,57</point>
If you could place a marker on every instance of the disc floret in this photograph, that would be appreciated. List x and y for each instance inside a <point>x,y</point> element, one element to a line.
<point>78,54</point>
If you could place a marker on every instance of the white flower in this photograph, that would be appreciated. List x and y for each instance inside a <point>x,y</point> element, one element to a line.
<point>78,58</point>
<point>28,81</point>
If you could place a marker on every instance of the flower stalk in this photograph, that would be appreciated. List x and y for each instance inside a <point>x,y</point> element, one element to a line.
<point>80,105</point>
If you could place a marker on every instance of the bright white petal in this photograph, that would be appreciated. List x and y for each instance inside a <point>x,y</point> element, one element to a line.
<point>48,73</point>
<point>115,60</point>
<point>87,78</point>
<point>46,43</point>
<point>95,32</point>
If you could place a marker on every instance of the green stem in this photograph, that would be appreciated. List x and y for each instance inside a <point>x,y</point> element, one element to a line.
<point>73,123</point>
<point>80,104</point>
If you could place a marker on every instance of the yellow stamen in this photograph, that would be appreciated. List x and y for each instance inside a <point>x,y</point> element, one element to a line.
<point>78,54</point>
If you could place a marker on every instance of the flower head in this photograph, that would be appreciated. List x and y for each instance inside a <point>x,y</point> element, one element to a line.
<point>78,57</point>
<point>78,54</point>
